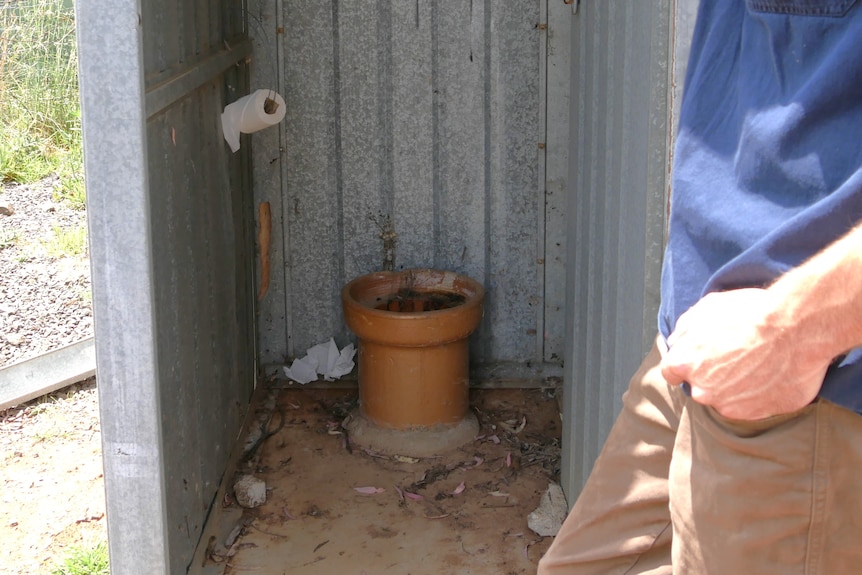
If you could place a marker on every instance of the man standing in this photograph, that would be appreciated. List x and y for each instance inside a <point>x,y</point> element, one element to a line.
<point>739,447</point>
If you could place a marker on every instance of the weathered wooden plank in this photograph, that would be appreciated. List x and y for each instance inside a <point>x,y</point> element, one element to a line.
<point>33,377</point>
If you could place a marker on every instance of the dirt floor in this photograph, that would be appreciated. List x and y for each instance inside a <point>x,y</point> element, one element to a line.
<point>329,509</point>
<point>334,507</point>
<point>51,485</point>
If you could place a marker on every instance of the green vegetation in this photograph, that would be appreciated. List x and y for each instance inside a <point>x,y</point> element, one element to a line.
<point>7,238</point>
<point>67,242</point>
<point>85,561</point>
<point>40,115</point>
<point>51,435</point>
<point>71,172</point>
<point>86,295</point>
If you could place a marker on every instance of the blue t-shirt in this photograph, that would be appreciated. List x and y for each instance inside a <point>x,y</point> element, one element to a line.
<point>768,159</point>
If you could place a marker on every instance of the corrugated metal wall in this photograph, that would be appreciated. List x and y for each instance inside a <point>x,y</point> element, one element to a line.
<point>624,83</point>
<point>432,114</point>
<point>171,230</point>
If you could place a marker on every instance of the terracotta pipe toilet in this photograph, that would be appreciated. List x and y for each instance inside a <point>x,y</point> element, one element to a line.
<point>413,328</point>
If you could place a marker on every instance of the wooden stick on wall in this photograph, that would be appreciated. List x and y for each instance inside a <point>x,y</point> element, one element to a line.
<point>263,240</point>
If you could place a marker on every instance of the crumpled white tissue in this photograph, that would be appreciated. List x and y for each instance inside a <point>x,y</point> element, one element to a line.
<point>323,359</point>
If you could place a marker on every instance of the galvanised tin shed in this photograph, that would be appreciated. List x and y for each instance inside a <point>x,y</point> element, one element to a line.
<point>525,144</point>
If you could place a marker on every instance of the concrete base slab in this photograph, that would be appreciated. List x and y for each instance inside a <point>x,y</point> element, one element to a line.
<point>415,442</point>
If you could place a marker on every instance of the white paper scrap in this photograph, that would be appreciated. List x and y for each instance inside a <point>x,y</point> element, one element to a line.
<point>323,359</point>
<point>302,370</point>
<point>344,364</point>
<point>325,355</point>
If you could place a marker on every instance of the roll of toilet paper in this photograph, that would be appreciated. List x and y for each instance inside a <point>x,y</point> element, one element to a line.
<point>258,110</point>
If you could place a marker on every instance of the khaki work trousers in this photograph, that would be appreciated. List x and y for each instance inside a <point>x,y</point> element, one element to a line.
<point>678,489</point>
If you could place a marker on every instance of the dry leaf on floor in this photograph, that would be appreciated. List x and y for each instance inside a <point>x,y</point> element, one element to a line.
<point>405,459</point>
<point>372,453</point>
<point>369,490</point>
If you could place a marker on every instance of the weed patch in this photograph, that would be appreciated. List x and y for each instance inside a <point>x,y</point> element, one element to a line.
<point>67,242</point>
<point>85,561</point>
<point>8,238</point>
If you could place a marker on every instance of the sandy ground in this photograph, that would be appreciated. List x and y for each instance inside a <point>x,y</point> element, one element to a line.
<point>333,507</point>
<point>51,484</point>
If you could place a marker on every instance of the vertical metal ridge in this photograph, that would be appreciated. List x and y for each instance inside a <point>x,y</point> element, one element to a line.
<point>281,84</point>
<point>541,183</point>
<point>384,108</point>
<point>487,43</point>
<point>558,155</point>
<point>338,152</point>
<point>616,85</point>
<point>595,237</point>
<point>182,54</point>
<point>436,158</point>
<point>661,154</point>
<point>203,471</point>
<point>574,352</point>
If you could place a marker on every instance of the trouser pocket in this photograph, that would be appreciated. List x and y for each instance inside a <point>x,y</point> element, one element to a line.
<point>744,428</point>
<point>741,492</point>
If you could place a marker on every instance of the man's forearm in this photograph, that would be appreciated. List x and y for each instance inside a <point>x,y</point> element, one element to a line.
<point>819,303</point>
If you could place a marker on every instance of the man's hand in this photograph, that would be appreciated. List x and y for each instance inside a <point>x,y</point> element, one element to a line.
<point>752,353</point>
<point>740,354</point>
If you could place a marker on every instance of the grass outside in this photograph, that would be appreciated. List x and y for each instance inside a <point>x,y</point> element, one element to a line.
<point>40,114</point>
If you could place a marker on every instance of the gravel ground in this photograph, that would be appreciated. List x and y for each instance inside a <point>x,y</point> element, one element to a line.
<point>45,299</point>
